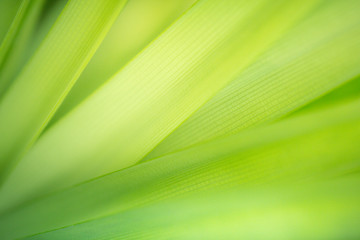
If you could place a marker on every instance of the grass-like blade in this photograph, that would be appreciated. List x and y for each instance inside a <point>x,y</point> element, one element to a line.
<point>316,56</point>
<point>298,149</point>
<point>39,89</point>
<point>126,118</point>
<point>139,23</point>
<point>321,210</point>
<point>17,40</point>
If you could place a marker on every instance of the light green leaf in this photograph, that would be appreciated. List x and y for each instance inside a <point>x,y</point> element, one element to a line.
<point>316,56</point>
<point>326,210</point>
<point>346,92</point>
<point>245,115</point>
<point>139,23</point>
<point>17,41</point>
<point>13,31</point>
<point>7,17</point>
<point>44,82</point>
<point>126,118</point>
<point>297,149</point>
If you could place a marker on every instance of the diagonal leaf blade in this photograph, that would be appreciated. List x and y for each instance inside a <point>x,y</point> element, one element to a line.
<point>298,149</point>
<point>39,89</point>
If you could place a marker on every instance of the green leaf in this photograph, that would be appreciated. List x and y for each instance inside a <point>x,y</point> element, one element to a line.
<point>299,149</point>
<point>13,31</point>
<point>325,210</point>
<point>349,90</point>
<point>7,17</point>
<point>316,56</point>
<point>139,23</point>
<point>17,40</point>
<point>44,82</point>
<point>129,115</point>
<point>240,120</point>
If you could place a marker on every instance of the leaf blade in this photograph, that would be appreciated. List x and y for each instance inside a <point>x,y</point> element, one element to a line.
<point>61,58</point>
<point>306,149</point>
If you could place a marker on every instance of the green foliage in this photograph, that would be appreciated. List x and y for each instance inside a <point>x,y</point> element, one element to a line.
<point>203,119</point>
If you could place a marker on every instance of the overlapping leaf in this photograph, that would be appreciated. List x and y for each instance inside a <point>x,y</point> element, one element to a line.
<point>296,150</point>
<point>139,23</point>
<point>317,211</point>
<point>314,57</point>
<point>120,123</point>
<point>183,106</point>
<point>17,39</point>
<point>41,86</point>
